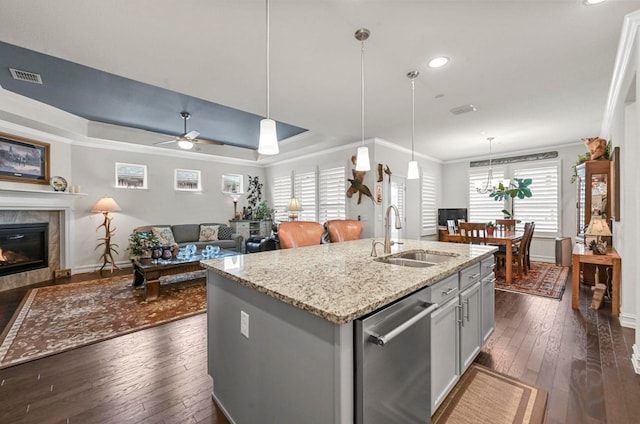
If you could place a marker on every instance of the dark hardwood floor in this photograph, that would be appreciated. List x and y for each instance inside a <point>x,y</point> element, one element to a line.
<point>159,375</point>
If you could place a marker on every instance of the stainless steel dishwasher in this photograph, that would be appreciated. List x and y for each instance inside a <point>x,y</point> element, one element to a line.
<point>392,372</point>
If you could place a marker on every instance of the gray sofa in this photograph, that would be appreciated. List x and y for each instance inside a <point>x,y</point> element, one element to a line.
<point>184,234</point>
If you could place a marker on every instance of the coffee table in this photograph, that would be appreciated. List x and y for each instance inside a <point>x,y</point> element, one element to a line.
<point>147,272</point>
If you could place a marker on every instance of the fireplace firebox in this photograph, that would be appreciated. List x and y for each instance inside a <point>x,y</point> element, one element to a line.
<point>23,247</point>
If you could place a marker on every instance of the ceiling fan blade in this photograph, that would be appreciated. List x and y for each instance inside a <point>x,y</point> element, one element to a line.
<point>202,141</point>
<point>164,142</point>
<point>191,135</point>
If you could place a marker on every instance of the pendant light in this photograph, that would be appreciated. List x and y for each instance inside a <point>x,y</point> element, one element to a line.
<point>362,156</point>
<point>488,186</point>
<point>413,173</point>
<point>268,142</point>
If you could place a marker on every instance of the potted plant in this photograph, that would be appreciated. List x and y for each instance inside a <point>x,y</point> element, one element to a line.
<point>490,228</point>
<point>262,211</point>
<point>519,189</point>
<point>140,244</point>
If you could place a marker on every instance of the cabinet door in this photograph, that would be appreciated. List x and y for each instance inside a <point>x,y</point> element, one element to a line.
<point>445,352</point>
<point>470,332</point>
<point>488,307</point>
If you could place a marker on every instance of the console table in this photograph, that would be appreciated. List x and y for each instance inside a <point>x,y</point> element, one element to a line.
<point>582,255</point>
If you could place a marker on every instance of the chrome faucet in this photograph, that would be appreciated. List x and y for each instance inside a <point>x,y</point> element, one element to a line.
<point>387,231</point>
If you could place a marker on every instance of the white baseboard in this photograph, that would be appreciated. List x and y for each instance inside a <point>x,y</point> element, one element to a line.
<point>627,320</point>
<point>635,358</point>
<point>95,267</point>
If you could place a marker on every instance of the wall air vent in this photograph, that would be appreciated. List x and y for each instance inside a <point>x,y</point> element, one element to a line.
<point>25,76</point>
<point>463,109</point>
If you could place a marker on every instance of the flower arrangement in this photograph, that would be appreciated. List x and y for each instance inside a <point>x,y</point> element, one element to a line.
<point>141,243</point>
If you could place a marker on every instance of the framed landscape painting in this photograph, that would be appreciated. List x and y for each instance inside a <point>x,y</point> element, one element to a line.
<point>130,175</point>
<point>23,160</point>
<point>187,180</point>
<point>232,183</point>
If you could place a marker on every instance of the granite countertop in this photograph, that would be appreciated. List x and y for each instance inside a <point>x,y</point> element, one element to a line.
<point>341,281</point>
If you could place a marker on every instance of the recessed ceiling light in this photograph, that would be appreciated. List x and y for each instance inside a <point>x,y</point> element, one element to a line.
<point>592,2</point>
<point>438,62</point>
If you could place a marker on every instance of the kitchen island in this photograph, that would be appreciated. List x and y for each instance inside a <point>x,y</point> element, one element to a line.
<point>281,323</point>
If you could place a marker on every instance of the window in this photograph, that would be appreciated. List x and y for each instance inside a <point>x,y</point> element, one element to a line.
<point>332,188</point>
<point>281,196</point>
<point>543,205</point>
<point>305,191</point>
<point>483,208</point>
<point>429,210</point>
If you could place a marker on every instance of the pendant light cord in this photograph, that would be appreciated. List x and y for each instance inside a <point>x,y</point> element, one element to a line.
<point>362,88</point>
<point>413,114</point>
<point>268,59</point>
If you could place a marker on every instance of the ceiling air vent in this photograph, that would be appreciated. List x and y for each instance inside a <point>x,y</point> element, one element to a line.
<point>463,109</point>
<point>25,76</point>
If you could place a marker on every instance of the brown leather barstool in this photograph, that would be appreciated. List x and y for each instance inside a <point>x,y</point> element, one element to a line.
<point>344,230</point>
<point>299,233</point>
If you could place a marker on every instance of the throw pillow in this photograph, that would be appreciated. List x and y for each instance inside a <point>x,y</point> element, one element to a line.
<point>164,235</point>
<point>224,232</point>
<point>209,232</point>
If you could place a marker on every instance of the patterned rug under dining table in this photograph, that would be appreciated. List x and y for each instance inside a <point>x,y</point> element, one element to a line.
<point>507,238</point>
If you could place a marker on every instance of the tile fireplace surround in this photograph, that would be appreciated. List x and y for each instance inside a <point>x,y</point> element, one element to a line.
<point>30,206</point>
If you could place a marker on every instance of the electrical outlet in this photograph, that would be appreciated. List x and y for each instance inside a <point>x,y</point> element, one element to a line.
<point>59,273</point>
<point>244,324</point>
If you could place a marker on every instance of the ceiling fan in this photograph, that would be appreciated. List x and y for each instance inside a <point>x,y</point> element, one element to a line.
<point>187,139</point>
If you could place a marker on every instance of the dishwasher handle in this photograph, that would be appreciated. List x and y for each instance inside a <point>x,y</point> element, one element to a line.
<point>386,338</point>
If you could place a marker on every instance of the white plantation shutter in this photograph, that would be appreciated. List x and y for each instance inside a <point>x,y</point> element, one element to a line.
<point>281,196</point>
<point>429,209</point>
<point>305,191</point>
<point>483,208</point>
<point>332,189</point>
<point>543,205</point>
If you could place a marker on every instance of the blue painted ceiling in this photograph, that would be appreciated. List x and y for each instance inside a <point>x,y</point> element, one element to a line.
<point>103,97</point>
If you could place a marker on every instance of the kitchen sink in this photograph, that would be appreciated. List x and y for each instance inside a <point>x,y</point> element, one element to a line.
<point>416,259</point>
<point>405,262</point>
<point>434,258</point>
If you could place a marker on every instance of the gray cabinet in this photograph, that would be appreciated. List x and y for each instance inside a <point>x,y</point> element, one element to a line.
<point>460,326</point>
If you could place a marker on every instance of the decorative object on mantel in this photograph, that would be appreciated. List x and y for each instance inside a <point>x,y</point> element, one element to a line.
<point>23,160</point>
<point>104,206</point>
<point>357,185</point>
<point>59,183</point>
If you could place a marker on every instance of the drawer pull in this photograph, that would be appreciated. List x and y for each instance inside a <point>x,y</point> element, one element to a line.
<point>474,276</point>
<point>448,292</point>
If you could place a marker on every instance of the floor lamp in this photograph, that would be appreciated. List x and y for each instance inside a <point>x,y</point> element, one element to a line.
<point>104,206</point>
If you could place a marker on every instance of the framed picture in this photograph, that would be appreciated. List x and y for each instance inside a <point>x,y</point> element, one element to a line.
<point>187,180</point>
<point>23,160</point>
<point>129,175</point>
<point>232,183</point>
<point>615,184</point>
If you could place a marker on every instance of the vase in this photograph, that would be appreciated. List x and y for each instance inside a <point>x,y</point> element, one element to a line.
<point>490,231</point>
<point>167,252</point>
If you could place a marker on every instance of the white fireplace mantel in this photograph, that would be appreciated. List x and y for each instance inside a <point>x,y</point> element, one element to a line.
<point>41,200</point>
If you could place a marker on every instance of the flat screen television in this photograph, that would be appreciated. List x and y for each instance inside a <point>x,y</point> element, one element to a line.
<point>454,213</point>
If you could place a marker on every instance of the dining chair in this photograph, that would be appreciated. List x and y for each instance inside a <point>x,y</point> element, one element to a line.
<point>299,233</point>
<point>519,251</point>
<point>344,230</point>
<point>473,232</point>
<point>506,224</point>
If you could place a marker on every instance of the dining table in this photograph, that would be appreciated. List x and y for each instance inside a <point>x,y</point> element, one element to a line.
<point>508,238</point>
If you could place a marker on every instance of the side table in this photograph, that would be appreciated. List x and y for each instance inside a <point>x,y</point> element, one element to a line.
<point>582,255</point>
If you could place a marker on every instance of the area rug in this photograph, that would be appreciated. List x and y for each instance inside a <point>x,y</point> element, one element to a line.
<point>486,396</point>
<point>543,279</point>
<point>54,319</point>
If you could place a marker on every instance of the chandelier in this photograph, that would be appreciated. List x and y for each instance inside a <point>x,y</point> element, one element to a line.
<point>491,185</point>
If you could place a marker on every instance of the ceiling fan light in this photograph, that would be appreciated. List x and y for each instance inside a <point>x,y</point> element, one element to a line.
<point>413,172</point>
<point>362,159</point>
<point>268,142</point>
<point>185,144</point>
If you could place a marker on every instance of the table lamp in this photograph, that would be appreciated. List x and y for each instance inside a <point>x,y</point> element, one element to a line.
<point>104,206</point>
<point>294,207</point>
<point>598,227</point>
<point>235,197</point>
